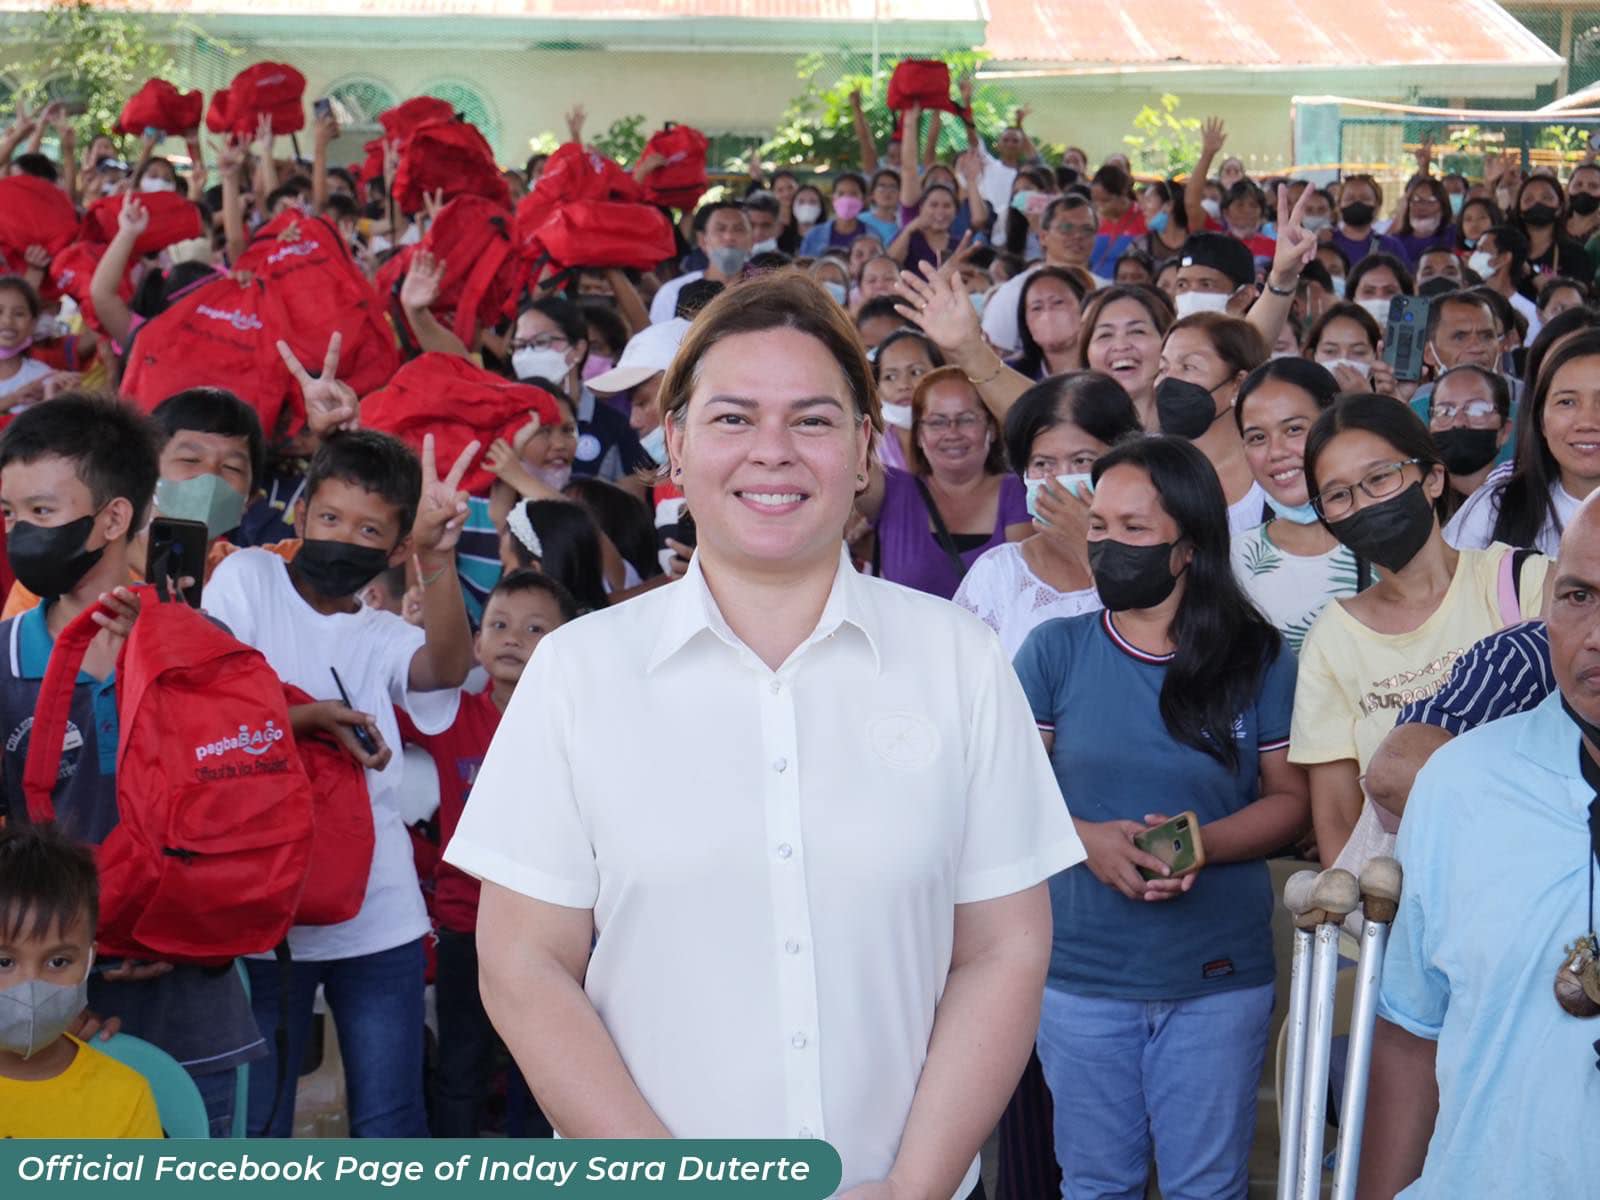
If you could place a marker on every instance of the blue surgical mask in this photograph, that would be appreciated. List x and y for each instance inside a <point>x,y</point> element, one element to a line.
<point>979,299</point>
<point>1457,199</point>
<point>1270,229</point>
<point>1298,514</point>
<point>1158,223</point>
<point>1077,485</point>
<point>837,291</point>
<point>654,444</point>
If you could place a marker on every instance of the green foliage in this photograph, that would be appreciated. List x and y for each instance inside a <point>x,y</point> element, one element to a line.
<point>817,130</point>
<point>83,54</point>
<point>623,141</point>
<point>1165,143</point>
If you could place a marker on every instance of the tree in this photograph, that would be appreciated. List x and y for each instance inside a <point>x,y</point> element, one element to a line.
<point>817,129</point>
<point>89,57</point>
<point>1165,144</point>
<point>624,139</point>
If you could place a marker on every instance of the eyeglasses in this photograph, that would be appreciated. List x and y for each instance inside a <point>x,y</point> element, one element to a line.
<point>1073,230</point>
<point>965,423</point>
<point>1337,501</point>
<point>1476,410</point>
<point>545,341</point>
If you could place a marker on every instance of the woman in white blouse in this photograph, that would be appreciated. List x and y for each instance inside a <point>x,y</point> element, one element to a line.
<point>1053,434</point>
<point>813,876</point>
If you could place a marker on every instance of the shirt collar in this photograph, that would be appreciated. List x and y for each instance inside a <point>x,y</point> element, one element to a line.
<point>1551,740</point>
<point>32,644</point>
<point>693,612</point>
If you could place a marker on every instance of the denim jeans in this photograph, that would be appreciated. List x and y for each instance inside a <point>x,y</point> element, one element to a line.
<point>218,1089</point>
<point>1180,1073</point>
<point>467,1044</point>
<point>376,1001</point>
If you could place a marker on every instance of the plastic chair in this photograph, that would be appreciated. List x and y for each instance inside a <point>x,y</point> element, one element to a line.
<point>241,1086</point>
<point>178,1102</point>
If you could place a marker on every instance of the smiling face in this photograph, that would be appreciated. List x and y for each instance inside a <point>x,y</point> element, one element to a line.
<point>1476,220</point>
<point>16,319</point>
<point>189,455</point>
<point>1570,423</point>
<point>1125,344</point>
<point>513,624</point>
<point>952,429</point>
<point>939,210</point>
<point>1277,417</point>
<point>878,278</point>
<point>862,251</point>
<point>549,448</point>
<point>771,447</point>
<point>900,367</point>
<point>1068,239</point>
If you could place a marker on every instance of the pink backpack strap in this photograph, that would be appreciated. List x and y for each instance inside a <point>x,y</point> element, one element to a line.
<point>1509,586</point>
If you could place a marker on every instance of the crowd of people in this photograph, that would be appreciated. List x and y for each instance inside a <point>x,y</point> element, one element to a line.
<point>768,845</point>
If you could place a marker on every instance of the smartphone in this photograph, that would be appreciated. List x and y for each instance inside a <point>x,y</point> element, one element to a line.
<point>1405,336</point>
<point>177,551</point>
<point>1176,843</point>
<point>322,108</point>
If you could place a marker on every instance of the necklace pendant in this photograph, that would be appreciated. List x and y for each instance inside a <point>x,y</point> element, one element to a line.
<point>1578,979</point>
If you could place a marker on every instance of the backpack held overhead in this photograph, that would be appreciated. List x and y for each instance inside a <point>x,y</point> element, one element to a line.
<point>209,858</point>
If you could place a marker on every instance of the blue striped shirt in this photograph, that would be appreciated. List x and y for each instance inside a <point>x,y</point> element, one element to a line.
<point>1507,672</point>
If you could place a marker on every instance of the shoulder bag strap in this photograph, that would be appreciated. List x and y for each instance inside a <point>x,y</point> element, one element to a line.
<point>50,711</point>
<point>941,532</point>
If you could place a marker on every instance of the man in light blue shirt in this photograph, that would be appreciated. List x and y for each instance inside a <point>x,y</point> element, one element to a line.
<point>1482,1084</point>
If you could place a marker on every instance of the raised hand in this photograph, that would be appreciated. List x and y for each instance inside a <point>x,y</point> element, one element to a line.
<point>133,219</point>
<point>432,202</point>
<point>1023,114</point>
<point>575,119</point>
<point>502,462</point>
<point>37,257</point>
<point>442,510</point>
<point>327,128</point>
<point>939,304</point>
<point>1212,136</point>
<point>965,89</point>
<point>264,133</point>
<point>229,154</point>
<point>391,159</point>
<point>331,406</point>
<point>1296,245</point>
<point>423,279</point>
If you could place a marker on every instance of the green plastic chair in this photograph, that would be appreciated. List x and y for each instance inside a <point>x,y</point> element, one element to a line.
<point>178,1102</point>
<point>241,1086</point>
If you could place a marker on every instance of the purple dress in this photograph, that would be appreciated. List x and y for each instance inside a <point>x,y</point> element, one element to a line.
<point>1415,245</point>
<point>908,551</point>
<point>1373,243</point>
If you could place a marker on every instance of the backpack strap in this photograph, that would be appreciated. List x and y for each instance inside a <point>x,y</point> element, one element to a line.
<point>50,710</point>
<point>476,284</point>
<point>1510,585</point>
<point>941,532</point>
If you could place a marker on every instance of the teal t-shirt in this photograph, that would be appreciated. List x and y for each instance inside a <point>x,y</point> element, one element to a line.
<point>1115,760</point>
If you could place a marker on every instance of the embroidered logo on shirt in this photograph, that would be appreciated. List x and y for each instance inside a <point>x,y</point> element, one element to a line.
<point>1217,968</point>
<point>905,741</point>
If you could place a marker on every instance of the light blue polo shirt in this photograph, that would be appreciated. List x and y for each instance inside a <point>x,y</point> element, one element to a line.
<point>1495,846</point>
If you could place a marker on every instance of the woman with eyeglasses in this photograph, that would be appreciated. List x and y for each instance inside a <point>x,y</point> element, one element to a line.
<point>957,501</point>
<point>1375,478</point>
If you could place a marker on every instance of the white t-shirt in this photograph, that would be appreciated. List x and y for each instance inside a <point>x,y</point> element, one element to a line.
<point>664,306</point>
<point>775,862</point>
<point>1000,311</point>
<point>32,371</point>
<point>1291,589</point>
<point>1246,513</point>
<point>1472,528</point>
<point>1011,600</point>
<point>251,593</point>
<point>1530,310</point>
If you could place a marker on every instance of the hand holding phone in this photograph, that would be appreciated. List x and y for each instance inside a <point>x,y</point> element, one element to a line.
<point>1405,336</point>
<point>361,733</point>
<point>1175,842</point>
<point>176,557</point>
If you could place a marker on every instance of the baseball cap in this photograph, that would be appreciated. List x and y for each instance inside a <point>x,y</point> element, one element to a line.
<point>648,352</point>
<point>1221,253</point>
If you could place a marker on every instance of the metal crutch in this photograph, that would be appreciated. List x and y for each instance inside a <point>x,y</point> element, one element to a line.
<point>1380,900</point>
<point>1334,896</point>
<point>1291,1106</point>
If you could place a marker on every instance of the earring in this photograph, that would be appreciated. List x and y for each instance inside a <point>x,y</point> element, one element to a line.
<point>677,470</point>
<point>861,478</point>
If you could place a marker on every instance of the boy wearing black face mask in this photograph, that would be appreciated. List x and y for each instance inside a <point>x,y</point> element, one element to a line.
<point>368,506</point>
<point>76,480</point>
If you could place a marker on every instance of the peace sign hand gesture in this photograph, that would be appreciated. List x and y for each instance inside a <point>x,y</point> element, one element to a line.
<point>331,406</point>
<point>442,510</point>
<point>1296,245</point>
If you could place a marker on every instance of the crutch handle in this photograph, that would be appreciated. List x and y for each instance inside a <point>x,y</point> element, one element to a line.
<point>1297,896</point>
<point>1335,895</point>
<point>1380,889</point>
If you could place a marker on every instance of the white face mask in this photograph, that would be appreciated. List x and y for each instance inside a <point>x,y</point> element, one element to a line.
<point>532,363</point>
<point>1364,369</point>
<point>1378,307</point>
<point>1213,209</point>
<point>765,246</point>
<point>837,291</point>
<point>1425,226</point>
<point>554,478</point>
<point>898,415</point>
<point>1316,224</point>
<point>34,1014</point>
<point>1481,262</point>
<point>807,214</point>
<point>1338,285</point>
<point>654,444</point>
<point>155,184</point>
<point>1189,303</point>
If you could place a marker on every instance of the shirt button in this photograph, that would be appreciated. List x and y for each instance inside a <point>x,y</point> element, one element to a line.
<point>776,687</point>
<point>798,1041</point>
<point>785,850</point>
<point>792,946</point>
<point>780,765</point>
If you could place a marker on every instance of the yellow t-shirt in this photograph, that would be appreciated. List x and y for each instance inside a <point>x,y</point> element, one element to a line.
<point>95,1097</point>
<point>1353,681</point>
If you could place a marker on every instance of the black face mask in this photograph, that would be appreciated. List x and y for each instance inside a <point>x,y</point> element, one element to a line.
<point>1390,532</point>
<point>334,570</point>
<point>1131,576</point>
<point>51,560</point>
<point>1539,215</point>
<point>1584,203</point>
<point>1185,409</point>
<point>1467,450</point>
<point>1358,213</point>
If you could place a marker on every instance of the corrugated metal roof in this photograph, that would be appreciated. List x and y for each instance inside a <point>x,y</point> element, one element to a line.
<point>1259,33</point>
<point>755,10</point>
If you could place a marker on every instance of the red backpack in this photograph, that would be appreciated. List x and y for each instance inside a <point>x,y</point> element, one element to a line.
<point>314,289</point>
<point>450,157</point>
<point>457,402</point>
<point>266,89</point>
<point>209,855</point>
<point>681,180</point>
<point>405,118</point>
<point>33,213</point>
<point>173,218</point>
<point>482,271</point>
<point>71,273</point>
<point>586,211</point>
<point>923,82</point>
<point>160,105</point>
<point>215,336</point>
<point>342,837</point>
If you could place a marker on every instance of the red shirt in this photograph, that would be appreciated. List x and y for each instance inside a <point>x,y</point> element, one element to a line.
<point>457,753</point>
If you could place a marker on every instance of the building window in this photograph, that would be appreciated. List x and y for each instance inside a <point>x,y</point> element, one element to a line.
<point>363,98</point>
<point>471,104</point>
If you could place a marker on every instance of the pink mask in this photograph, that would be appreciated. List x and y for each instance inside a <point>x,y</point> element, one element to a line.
<point>847,207</point>
<point>19,348</point>
<point>596,364</point>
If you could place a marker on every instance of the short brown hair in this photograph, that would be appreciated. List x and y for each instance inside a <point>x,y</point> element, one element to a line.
<point>1154,302</point>
<point>47,882</point>
<point>1237,342</point>
<point>786,299</point>
<point>995,463</point>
